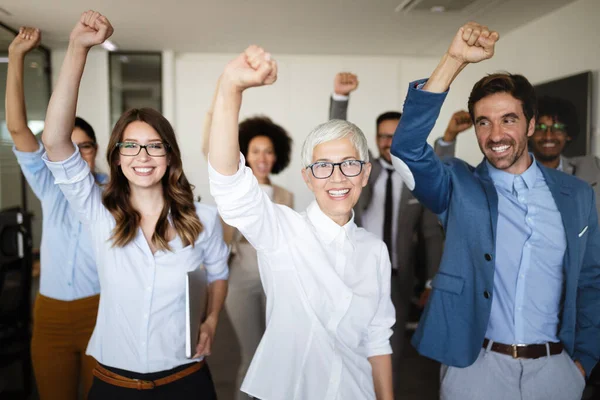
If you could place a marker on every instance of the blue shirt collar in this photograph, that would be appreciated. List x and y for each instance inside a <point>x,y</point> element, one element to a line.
<point>505,179</point>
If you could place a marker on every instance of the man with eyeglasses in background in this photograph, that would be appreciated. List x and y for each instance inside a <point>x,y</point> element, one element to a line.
<point>386,208</point>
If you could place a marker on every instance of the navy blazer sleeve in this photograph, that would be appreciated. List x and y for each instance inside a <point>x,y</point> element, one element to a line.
<point>423,172</point>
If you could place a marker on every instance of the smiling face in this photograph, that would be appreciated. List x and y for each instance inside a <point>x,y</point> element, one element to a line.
<point>338,194</point>
<point>502,131</point>
<point>385,134</point>
<point>142,170</point>
<point>261,157</point>
<point>547,144</point>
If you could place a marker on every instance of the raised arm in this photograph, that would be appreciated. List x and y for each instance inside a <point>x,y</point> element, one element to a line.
<point>344,83</point>
<point>424,173</point>
<point>241,201</point>
<point>252,68</point>
<point>16,114</point>
<point>471,44</point>
<point>445,147</point>
<point>91,29</point>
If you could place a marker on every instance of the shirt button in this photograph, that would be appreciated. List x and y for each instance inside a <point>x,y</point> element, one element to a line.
<point>149,288</point>
<point>69,283</point>
<point>486,294</point>
<point>488,257</point>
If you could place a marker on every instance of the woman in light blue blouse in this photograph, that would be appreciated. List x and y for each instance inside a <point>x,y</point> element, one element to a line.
<point>147,234</point>
<point>67,304</point>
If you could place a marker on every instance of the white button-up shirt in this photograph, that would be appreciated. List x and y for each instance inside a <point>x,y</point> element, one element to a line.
<point>141,318</point>
<point>328,296</point>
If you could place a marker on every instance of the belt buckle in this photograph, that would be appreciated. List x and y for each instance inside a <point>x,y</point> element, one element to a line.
<point>515,349</point>
<point>140,382</point>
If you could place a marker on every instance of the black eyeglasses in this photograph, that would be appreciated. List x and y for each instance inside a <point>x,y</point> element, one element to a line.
<point>86,147</point>
<point>557,128</point>
<point>324,169</point>
<point>158,149</point>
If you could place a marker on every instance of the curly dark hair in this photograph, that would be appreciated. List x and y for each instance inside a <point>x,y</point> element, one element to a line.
<point>560,110</point>
<point>263,126</point>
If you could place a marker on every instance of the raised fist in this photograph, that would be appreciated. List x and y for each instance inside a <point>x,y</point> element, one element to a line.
<point>254,67</point>
<point>460,122</point>
<point>345,83</point>
<point>27,40</point>
<point>92,29</point>
<point>473,43</point>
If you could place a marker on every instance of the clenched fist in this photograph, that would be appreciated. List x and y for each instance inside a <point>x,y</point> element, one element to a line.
<point>254,67</point>
<point>27,40</point>
<point>460,122</point>
<point>92,29</point>
<point>473,43</point>
<point>345,83</point>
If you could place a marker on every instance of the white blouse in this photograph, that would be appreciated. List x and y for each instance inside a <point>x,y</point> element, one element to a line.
<point>328,295</point>
<point>141,319</point>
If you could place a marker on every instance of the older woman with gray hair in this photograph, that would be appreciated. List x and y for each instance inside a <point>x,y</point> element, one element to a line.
<point>329,313</point>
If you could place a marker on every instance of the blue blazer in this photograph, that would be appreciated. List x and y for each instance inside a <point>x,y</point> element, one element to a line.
<point>455,320</point>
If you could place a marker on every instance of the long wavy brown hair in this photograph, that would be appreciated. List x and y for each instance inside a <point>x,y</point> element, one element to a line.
<point>177,191</point>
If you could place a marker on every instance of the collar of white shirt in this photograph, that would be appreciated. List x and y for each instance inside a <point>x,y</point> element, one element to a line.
<point>326,228</point>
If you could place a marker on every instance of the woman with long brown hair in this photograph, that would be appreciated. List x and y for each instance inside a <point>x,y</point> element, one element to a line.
<point>147,233</point>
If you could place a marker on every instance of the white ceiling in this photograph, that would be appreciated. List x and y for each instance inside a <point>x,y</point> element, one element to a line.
<point>358,27</point>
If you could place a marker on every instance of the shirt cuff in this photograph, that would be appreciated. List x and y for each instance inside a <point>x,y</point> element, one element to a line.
<point>443,143</point>
<point>71,170</point>
<point>380,350</point>
<point>223,273</point>
<point>339,97</point>
<point>29,158</point>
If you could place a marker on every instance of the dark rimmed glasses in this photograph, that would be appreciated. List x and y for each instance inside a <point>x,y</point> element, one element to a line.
<point>556,128</point>
<point>324,169</point>
<point>86,147</point>
<point>157,149</point>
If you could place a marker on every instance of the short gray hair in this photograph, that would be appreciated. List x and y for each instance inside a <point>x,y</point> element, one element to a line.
<point>333,130</point>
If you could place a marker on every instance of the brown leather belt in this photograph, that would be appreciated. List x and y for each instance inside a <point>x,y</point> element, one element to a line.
<point>118,380</point>
<point>524,350</point>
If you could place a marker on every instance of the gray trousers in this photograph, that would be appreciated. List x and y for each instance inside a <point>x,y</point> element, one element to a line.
<point>496,376</point>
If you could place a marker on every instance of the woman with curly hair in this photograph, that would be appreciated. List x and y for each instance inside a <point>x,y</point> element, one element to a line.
<point>147,234</point>
<point>266,147</point>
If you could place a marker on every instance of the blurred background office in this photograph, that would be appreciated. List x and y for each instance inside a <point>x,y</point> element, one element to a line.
<point>169,54</point>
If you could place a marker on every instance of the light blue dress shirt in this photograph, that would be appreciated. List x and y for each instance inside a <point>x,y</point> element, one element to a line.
<point>68,265</point>
<point>530,248</point>
<point>141,324</point>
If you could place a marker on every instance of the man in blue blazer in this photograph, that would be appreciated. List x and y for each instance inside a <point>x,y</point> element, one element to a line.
<point>515,307</point>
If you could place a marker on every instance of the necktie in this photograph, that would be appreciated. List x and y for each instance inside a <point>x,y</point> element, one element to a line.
<point>389,211</point>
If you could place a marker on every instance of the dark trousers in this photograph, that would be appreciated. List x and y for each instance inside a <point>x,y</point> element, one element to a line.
<point>197,386</point>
